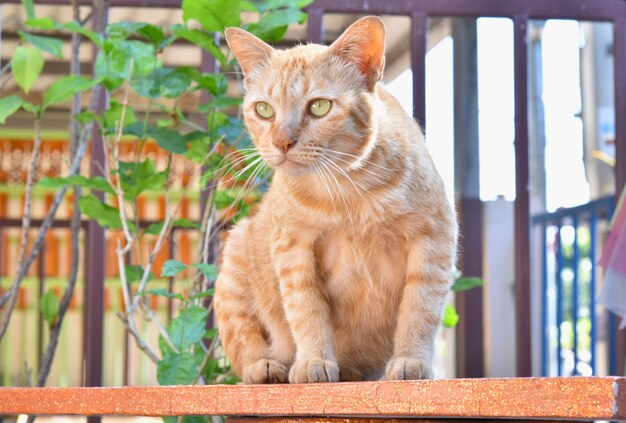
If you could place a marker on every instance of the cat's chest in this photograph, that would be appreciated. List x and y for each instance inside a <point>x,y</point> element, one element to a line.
<point>354,270</point>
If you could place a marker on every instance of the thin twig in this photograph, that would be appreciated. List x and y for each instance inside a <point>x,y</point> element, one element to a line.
<point>49,219</point>
<point>140,342</point>
<point>26,219</point>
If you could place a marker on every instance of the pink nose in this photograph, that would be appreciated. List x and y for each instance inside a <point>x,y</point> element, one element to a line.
<point>283,143</point>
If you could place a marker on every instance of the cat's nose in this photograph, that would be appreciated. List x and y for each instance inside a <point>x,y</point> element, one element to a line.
<point>284,143</point>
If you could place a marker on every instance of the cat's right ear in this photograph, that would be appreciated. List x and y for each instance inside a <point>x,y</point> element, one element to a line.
<point>249,50</point>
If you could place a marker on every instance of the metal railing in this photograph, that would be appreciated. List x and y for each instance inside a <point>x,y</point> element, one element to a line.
<point>419,11</point>
<point>570,241</point>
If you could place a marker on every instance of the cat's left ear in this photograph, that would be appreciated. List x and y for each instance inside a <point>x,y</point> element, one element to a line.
<point>363,44</point>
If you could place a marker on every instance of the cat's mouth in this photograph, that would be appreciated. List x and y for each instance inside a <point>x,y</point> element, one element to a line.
<point>291,166</point>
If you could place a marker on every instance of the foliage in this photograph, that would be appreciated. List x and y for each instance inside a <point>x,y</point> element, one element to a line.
<point>461,284</point>
<point>129,65</point>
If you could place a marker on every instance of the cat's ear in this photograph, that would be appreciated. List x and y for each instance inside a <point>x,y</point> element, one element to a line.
<point>248,49</point>
<point>363,44</point>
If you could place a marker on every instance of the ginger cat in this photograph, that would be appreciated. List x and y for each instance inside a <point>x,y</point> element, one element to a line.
<point>343,271</point>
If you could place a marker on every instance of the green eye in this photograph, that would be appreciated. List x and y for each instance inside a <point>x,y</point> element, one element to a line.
<point>319,107</point>
<point>264,110</point>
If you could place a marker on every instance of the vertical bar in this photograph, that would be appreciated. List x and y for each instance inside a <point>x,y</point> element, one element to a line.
<point>522,209</point>
<point>41,276</point>
<point>315,25</point>
<point>94,279</point>
<point>559,298</point>
<point>592,288</point>
<point>469,333</point>
<point>419,32</point>
<point>619,46</point>
<point>95,254</point>
<point>575,295</point>
<point>612,343</point>
<point>544,299</point>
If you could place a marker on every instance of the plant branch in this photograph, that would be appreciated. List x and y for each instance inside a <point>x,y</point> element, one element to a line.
<point>55,330</point>
<point>26,219</point>
<point>24,265</point>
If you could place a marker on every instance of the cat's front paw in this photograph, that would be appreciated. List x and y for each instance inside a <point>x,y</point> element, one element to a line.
<point>265,371</point>
<point>408,369</point>
<point>314,370</point>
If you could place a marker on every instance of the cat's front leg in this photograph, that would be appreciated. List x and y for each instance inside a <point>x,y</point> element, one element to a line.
<point>306,306</point>
<point>427,282</point>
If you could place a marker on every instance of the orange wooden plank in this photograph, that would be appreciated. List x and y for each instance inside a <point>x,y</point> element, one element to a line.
<point>577,398</point>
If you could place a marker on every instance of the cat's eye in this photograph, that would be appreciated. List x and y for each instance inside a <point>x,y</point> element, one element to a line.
<point>319,107</point>
<point>264,110</point>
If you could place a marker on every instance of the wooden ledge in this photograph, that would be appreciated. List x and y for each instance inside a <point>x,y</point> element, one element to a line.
<point>579,398</point>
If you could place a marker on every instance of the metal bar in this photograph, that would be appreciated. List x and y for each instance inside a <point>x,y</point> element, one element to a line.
<point>41,276</point>
<point>619,46</point>
<point>575,259</point>
<point>95,254</point>
<point>544,300</point>
<point>522,210</point>
<point>592,288</point>
<point>315,25</point>
<point>559,298</point>
<point>589,10</point>
<point>604,204</point>
<point>419,32</point>
<point>470,332</point>
<point>612,343</point>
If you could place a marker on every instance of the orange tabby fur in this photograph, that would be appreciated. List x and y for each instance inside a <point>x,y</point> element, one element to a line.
<point>343,272</point>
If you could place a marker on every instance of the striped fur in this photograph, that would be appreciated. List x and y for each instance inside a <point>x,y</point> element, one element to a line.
<point>343,271</point>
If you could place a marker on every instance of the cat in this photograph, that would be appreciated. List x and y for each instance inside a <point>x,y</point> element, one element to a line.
<point>343,271</point>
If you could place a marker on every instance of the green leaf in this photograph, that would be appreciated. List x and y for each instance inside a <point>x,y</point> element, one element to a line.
<point>94,37</point>
<point>26,65</point>
<point>220,103</point>
<point>113,63</point>
<point>273,26</point>
<point>172,268</point>
<point>162,292</point>
<point>208,293</point>
<point>266,5</point>
<point>87,117</point>
<point>65,88</point>
<point>215,83</point>
<point>213,15</point>
<point>49,307</point>
<point>46,24</point>
<point>8,106</point>
<point>113,115</point>
<point>208,270</point>
<point>30,8</point>
<point>50,45</point>
<point>104,214</point>
<point>463,284</point>
<point>211,333</point>
<point>166,82</point>
<point>188,328</point>
<point>135,272</point>
<point>155,228</point>
<point>202,40</point>
<point>122,30</point>
<point>32,108</point>
<point>95,183</point>
<point>139,177</point>
<point>167,139</point>
<point>177,369</point>
<point>450,316</point>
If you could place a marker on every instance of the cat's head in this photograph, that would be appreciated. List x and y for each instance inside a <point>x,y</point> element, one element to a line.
<point>312,107</point>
